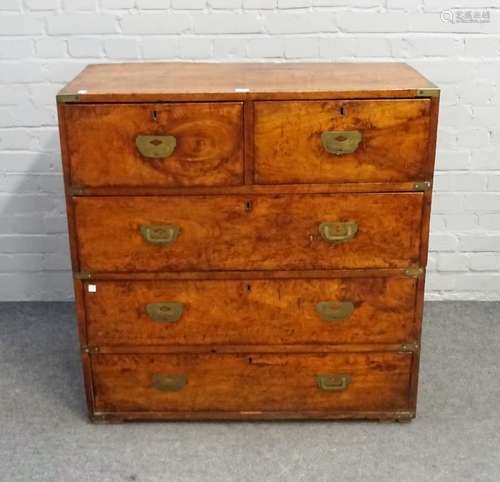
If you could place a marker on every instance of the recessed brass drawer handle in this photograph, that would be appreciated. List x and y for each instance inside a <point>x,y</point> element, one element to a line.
<point>168,312</point>
<point>334,310</point>
<point>160,233</point>
<point>168,382</point>
<point>340,142</point>
<point>156,147</point>
<point>338,232</point>
<point>332,383</point>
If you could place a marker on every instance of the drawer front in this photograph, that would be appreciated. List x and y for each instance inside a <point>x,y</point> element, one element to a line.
<point>197,233</point>
<point>330,311</point>
<point>155,144</point>
<point>264,382</point>
<point>342,141</point>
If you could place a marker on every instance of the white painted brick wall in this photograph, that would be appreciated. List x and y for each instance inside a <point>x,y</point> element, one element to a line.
<point>44,43</point>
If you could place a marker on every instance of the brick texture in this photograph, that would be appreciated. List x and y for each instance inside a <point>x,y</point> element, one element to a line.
<point>44,43</point>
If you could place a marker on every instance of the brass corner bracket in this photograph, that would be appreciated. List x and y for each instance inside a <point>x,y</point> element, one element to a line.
<point>75,191</point>
<point>98,417</point>
<point>405,417</point>
<point>428,92</point>
<point>409,347</point>
<point>90,349</point>
<point>414,271</point>
<point>422,186</point>
<point>67,98</point>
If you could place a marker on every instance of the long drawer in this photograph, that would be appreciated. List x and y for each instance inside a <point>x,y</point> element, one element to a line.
<point>288,232</point>
<point>170,144</point>
<point>342,141</point>
<point>279,311</point>
<point>263,382</point>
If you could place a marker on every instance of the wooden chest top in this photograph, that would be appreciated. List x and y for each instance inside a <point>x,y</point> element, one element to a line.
<point>232,81</point>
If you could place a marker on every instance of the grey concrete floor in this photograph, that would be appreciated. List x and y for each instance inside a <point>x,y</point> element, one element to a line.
<point>45,436</point>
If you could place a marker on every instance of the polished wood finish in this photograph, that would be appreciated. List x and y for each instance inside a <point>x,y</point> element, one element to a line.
<point>252,312</point>
<point>394,141</point>
<point>103,153</point>
<point>258,381</point>
<point>153,82</point>
<point>248,184</point>
<point>221,232</point>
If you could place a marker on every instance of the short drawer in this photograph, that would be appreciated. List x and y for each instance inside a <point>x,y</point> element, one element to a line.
<point>262,382</point>
<point>178,144</point>
<point>254,311</point>
<point>342,141</point>
<point>199,233</point>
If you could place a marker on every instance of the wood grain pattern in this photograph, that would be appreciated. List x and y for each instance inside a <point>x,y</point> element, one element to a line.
<point>288,147</point>
<point>249,184</point>
<point>102,150</point>
<point>252,311</point>
<point>267,382</point>
<point>208,81</point>
<point>220,232</point>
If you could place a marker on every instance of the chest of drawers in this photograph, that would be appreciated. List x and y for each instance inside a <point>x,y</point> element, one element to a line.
<point>249,241</point>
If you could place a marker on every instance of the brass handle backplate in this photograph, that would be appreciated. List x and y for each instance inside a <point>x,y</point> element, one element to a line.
<point>334,310</point>
<point>340,142</point>
<point>338,232</point>
<point>168,312</point>
<point>156,147</point>
<point>160,233</point>
<point>168,382</point>
<point>333,383</point>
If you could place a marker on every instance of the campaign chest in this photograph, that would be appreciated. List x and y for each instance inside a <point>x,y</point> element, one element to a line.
<point>249,241</point>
